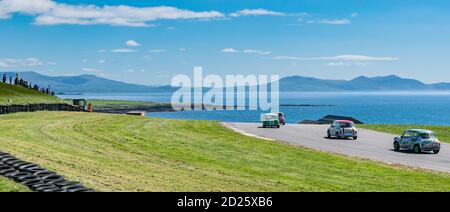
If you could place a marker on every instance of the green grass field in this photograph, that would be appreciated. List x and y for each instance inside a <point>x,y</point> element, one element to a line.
<point>7,185</point>
<point>10,94</point>
<point>443,132</point>
<point>127,153</point>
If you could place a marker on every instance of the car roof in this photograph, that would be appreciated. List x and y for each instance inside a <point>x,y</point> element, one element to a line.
<point>271,114</point>
<point>420,131</point>
<point>344,121</point>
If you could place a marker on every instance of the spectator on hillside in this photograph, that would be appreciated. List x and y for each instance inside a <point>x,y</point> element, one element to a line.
<point>10,80</point>
<point>16,80</point>
<point>4,78</point>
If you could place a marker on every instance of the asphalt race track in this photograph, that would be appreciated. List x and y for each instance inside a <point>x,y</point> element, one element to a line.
<point>370,144</point>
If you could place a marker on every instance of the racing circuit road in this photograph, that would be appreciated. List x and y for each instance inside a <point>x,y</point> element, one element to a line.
<point>370,144</point>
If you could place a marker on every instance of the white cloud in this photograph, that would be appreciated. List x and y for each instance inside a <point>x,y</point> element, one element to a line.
<point>340,58</point>
<point>13,62</point>
<point>335,21</point>
<point>95,72</point>
<point>132,43</point>
<point>229,50</point>
<point>182,49</point>
<point>359,58</point>
<point>134,71</point>
<point>171,28</point>
<point>326,21</point>
<point>355,15</point>
<point>340,64</point>
<point>29,7</point>
<point>101,51</point>
<point>51,63</point>
<point>123,50</point>
<point>259,52</point>
<point>84,60</point>
<point>256,12</point>
<point>101,61</point>
<point>246,51</point>
<point>91,70</point>
<point>49,12</point>
<point>157,50</point>
<point>101,74</point>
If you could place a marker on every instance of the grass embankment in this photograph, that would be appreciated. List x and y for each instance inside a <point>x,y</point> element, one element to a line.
<point>7,185</point>
<point>127,153</point>
<point>16,95</point>
<point>443,132</point>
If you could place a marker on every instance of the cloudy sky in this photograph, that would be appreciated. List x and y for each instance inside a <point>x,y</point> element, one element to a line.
<point>149,41</point>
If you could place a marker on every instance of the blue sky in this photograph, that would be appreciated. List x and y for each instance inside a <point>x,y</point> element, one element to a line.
<point>148,42</point>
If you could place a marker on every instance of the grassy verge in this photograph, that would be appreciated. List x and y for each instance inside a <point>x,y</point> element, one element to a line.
<point>7,185</point>
<point>126,153</point>
<point>11,94</point>
<point>443,132</point>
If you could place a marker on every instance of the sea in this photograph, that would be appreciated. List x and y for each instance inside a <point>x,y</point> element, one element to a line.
<point>427,108</point>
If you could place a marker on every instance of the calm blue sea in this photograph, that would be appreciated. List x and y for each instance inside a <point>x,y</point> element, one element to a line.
<point>373,108</point>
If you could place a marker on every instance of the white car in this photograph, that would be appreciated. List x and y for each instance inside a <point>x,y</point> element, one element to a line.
<point>418,141</point>
<point>342,129</point>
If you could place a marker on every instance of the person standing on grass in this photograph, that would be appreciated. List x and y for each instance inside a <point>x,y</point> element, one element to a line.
<point>16,81</point>
<point>10,80</point>
<point>4,78</point>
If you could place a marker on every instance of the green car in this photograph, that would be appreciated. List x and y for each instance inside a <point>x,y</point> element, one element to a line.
<point>270,120</point>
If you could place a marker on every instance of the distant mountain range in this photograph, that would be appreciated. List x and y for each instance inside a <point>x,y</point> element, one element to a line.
<point>362,83</point>
<point>85,84</point>
<point>94,84</point>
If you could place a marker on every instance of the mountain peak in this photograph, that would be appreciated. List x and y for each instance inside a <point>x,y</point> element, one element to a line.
<point>360,78</point>
<point>393,76</point>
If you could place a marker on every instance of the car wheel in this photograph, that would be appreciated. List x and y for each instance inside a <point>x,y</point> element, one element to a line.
<point>436,151</point>
<point>355,138</point>
<point>264,126</point>
<point>328,134</point>
<point>396,146</point>
<point>278,126</point>
<point>338,136</point>
<point>417,149</point>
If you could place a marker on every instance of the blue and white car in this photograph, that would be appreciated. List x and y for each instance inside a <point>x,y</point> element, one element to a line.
<point>342,129</point>
<point>418,140</point>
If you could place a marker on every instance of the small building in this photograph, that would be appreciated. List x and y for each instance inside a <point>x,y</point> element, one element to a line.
<point>82,103</point>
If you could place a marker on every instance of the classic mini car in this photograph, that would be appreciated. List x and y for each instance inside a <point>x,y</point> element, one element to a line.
<point>418,140</point>
<point>342,129</point>
<point>282,118</point>
<point>270,120</point>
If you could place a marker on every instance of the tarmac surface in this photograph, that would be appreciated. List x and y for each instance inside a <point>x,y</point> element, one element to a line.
<point>370,144</point>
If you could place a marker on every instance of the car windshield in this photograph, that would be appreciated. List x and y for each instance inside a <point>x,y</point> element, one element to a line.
<point>346,125</point>
<point>270,117</point>
<point>427,135</point>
